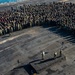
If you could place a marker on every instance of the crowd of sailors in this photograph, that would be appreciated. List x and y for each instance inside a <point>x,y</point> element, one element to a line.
<point>61,14</point>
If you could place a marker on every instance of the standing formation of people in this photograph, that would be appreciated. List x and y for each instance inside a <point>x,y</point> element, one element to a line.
<point>63,14</point>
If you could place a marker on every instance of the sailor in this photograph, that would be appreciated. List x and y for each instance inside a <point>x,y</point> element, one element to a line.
<point>31,21</point>
<point>13,26</point>
<point>55,55</point>
<point>11,29</point>
<point>0,31</point>
<point>5,28</point>
<point>60,53</point>
<point>18,25</point>
<point>62,45</point>
<point>43,55</point>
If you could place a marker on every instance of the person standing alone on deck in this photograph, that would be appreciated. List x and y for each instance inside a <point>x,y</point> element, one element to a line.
<point>43,55</point>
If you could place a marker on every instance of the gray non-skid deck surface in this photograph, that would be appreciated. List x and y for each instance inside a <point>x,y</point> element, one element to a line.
<point>20,71</point>
<point>27,47</point>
